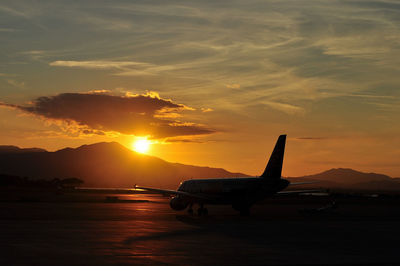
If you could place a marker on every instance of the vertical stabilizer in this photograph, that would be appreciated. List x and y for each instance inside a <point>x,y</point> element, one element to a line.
<point>274,166</point>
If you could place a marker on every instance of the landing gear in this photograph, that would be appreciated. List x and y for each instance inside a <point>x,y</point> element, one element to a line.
<point>245,212</point>
<point>190,210</point>
<point>244,209</point>
<point>202,211</point>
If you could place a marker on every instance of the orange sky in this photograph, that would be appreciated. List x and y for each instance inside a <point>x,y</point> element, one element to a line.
<point>211,84</point>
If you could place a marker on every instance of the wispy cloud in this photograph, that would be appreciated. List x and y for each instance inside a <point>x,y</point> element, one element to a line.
<point>7,30</point>
<point>183,140</point>
<point>16,83</point>
<point>99,64</point>
<point>15,12</point>
<point>286,108</point>
<point>310,138</point>
<point>205,110</point>
<point>7,75</point>
<point>121,68</point>
<point>305,43</point>
<point>370,96</point>
<point>233,86</point>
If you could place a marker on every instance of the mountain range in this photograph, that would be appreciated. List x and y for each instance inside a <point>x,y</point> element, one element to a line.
<point>346,178</point>
<point>106,164</point>
<point>109,164</point>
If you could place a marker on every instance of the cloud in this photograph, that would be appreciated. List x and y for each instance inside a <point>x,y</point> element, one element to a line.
<point>16,83</point>
<point>233,86</point>
<point>7,30</point>
<point>206,110</point>
<point>97,113</point>
<point>14,12</point>
<point>183,140</point>
<point>8,105</point>
<point>6,75</point>
<point>122,68</point>
<point>98,64</point>
<point>310,138</point>
<point>286,108</point>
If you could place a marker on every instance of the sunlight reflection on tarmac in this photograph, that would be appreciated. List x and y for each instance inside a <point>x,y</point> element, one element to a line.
<point>152,233</point>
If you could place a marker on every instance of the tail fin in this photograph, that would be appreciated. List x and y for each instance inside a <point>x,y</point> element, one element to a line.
<point>274,166</point>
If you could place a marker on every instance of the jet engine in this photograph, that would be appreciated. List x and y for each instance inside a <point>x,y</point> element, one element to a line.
<point>178,204</point>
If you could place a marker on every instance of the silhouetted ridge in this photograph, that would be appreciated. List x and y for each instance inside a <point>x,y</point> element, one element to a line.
<point>15,149</point>
<point>105,164</point>
<point>351,179</point>
<point>95,146</point>
<point>10,181</point>
<point>346,175</point>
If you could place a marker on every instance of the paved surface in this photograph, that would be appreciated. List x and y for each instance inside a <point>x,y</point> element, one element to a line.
<point>98,233</point>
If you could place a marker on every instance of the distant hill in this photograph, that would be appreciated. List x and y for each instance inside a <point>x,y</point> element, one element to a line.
<point>346,176</point>
<point>351,179</point>
<point>102,165</point>
<point>14,149</point>
<point>10,181</point>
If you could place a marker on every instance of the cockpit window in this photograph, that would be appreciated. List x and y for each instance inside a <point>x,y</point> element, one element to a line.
<point>182,185</point>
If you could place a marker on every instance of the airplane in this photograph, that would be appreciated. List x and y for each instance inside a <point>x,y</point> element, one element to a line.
<point>240,192</point>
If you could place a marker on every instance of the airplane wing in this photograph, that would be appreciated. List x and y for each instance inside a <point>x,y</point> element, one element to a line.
<point>300,191</point>
<point>173,192</point>
<point>303,183</point>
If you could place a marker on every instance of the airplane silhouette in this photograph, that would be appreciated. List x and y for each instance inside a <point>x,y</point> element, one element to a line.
<point>241,192</point>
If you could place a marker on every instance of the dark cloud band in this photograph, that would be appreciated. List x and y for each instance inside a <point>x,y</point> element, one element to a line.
<point>138,115</point>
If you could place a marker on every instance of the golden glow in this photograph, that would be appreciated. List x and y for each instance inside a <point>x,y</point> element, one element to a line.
<point>141,145</point>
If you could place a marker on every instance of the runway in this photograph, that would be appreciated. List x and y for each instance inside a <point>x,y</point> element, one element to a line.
<point>134,232</point>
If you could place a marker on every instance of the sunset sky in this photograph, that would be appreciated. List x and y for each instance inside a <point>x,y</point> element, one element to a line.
<point>210,83</point>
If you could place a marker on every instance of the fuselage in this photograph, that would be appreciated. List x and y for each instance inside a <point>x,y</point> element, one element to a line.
<point>240,192</point>
<point>229,190</point>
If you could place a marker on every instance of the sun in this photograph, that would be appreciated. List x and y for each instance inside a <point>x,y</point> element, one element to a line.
<point>141,145</point>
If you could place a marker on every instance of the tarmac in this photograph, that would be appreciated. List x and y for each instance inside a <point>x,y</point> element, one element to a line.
<point>143,230</point>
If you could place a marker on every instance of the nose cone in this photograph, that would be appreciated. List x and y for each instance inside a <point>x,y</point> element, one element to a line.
<point>178,204</point>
